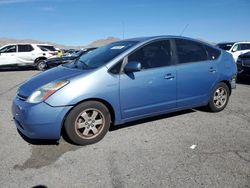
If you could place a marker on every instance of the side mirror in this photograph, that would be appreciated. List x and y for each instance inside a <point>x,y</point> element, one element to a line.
<point>132,66</point>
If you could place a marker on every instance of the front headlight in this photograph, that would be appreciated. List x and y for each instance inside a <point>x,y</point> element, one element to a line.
<point>45,91</point>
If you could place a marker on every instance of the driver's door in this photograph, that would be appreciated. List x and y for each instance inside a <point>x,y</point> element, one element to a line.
<point>8,55</point>
<point>153,89</point>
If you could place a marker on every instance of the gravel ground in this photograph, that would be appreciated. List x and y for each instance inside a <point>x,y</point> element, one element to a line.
<point>151,153</point>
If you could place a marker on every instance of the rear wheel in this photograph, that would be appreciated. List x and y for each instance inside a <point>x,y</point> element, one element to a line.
<point>219,98</point>
<point>87,123</point>
<point>41,65</point>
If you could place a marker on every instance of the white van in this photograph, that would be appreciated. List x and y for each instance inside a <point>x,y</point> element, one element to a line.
<point>25,54</point>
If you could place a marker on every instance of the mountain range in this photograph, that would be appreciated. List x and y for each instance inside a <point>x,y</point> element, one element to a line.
<point>97,43</point>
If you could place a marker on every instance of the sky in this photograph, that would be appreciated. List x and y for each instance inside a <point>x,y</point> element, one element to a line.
<point>79,22</point>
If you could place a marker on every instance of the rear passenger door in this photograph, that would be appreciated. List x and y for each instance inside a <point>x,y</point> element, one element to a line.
<point>25,54</point>
<point>196,72</point>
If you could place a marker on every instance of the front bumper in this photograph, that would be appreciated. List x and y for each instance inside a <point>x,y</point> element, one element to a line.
<point>38,121</point>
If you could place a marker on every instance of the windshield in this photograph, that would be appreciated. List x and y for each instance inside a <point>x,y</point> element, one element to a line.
<point>101,55</point>
<point>78,53</point>
<point>225,46</point>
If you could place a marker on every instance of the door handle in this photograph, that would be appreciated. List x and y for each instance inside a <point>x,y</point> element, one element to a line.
<point>212,70</point>
<point>169,77</point>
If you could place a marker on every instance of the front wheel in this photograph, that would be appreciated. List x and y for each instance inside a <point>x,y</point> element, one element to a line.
<point>219,98</point>
<point>87,123</point>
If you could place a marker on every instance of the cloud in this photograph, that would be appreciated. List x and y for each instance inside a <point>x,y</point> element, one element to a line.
<point>14,1</point>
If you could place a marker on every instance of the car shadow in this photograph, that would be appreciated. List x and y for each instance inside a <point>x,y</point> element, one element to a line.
<point>48,151</point>
<point>154,118</point>
<point>244,80</point>
<point>112,128</point>
<point>14,69</point>
<point>38,141</point>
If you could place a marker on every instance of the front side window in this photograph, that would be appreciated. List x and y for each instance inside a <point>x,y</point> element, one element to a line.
<point>25,48</point>
<point>8,49</point>
<point>156,54</point>
<point>245,46</point>
<point>102,55</point>
<point>190,51</point>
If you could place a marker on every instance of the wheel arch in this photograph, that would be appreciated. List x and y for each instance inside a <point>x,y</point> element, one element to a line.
<point>106,103</point>
<point>39,58</point>
<point>228,85</point>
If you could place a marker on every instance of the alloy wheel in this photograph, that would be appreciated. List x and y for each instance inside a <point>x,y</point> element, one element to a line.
<point>89,123</point>
<point>220,97</point>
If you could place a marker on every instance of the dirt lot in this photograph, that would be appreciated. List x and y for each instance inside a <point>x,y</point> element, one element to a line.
<point>151,153</point>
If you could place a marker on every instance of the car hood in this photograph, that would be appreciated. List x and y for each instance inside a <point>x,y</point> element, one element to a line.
<point>58,73</point>
<point>61,58</point>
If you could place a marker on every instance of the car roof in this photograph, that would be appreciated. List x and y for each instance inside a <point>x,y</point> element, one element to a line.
<point>144,39</point>
<point>148,39</point>
<point>234,42</point>
<point>28,44</point>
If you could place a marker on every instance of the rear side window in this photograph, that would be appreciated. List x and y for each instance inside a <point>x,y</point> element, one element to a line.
<point>212,53</point>
<point>155,54</point>
<point>46,48</point>
<point>25,48</point>
<point>245,46</point>
<point>190,51</point>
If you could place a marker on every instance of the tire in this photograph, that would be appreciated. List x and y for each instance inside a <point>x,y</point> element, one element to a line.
<point>87,123</point>
<point>219,98</point>
<point>41,65</point>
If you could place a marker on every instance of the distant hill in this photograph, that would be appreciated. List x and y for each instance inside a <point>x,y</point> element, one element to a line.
<point>102,42</point>
<point>97,43</point>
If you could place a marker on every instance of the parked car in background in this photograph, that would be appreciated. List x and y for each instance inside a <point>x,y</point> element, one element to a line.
<point>53,62</point>
<point>122,82</point>
<point>235,48</point>
<point>243,65</point>
<point>25,54</point>
<point>70,52</point>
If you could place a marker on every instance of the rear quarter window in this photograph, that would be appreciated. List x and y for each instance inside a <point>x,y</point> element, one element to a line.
<point>212,53</point>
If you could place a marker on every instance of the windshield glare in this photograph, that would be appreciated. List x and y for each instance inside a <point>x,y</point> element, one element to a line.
<point>101,56</point>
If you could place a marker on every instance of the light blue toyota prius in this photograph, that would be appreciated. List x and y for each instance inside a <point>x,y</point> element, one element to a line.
<point>122,82</point>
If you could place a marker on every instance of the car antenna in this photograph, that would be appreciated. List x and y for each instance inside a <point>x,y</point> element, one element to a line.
<point>184,29</point>
<point>123,30</point>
